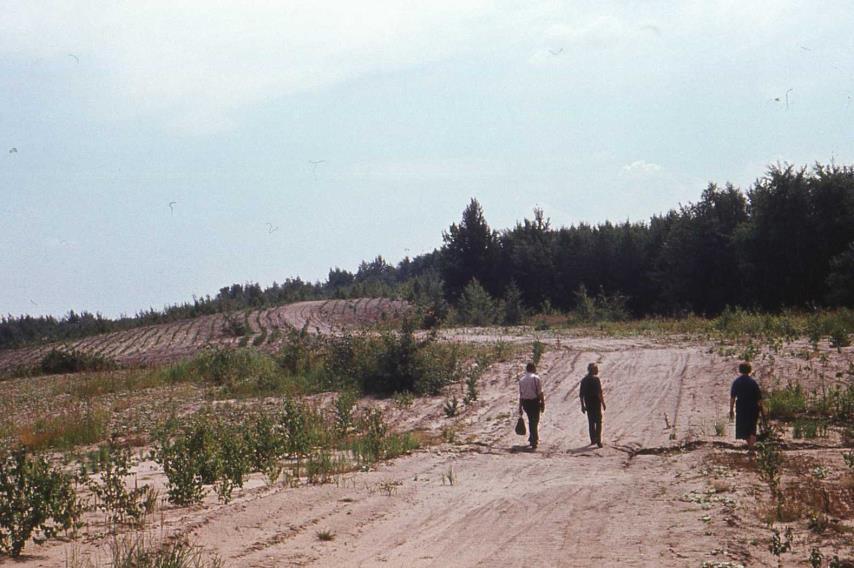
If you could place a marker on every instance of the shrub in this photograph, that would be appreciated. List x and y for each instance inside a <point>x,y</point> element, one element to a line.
<point>786,403</point>
<point>33,497</point>
<point>111,492</point>
<point>205,451</point>
<point>235,326</point>
<point>513,308</point>
<point>370,447</point>
<point>301,351</point>
<point>344,403</point>
<point>538,350</point>
<point>239,370</point>
<point>266,447</point>
<point>476,306</point>
<point>451,407</point>
<point>602,307</point>
<point>72,361</point>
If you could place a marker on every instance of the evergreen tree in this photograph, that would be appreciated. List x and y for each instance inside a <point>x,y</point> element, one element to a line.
<point>470,251</point>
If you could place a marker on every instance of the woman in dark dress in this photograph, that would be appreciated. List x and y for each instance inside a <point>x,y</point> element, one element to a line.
<point>745,405</point>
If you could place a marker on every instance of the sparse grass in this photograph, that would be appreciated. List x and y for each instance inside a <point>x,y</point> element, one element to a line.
<point>449,476</point>
<point>325,536</point>
<point>84,424</point>
<point>139,550</point>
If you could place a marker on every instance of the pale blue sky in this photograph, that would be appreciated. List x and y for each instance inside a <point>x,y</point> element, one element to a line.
<point>592,110</point>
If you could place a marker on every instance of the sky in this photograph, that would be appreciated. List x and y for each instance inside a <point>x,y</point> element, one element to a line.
<point>150,151</point>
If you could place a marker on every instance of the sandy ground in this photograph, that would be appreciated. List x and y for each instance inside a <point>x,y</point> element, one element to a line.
<point>486,500</point>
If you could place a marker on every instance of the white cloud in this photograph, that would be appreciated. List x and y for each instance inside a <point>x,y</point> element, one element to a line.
<point>641,168</point>
<point>195,64</point>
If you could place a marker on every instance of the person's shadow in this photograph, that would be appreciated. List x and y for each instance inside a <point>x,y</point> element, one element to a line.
<point>519,448</point>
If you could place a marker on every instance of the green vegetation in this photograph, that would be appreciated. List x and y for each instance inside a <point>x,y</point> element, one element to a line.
<point>80,425</point>
<point>391,362</point>
<point>71,361</point>
<point>834,404</point>
<point>220,450</point>
<point>35,498</point>
<point>110,491</point>
<point>139,551</point>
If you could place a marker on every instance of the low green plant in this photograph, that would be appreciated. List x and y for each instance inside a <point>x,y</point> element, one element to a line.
<point>325,536</point>
<point>35,497</point>
<point>266,447</point>
<point>769,460</point>
<point>344,403</point>
<point>849,459</point>
<point>139,551</point>
<point>720,428</point>
<point>537,351</point>
<point>809,429</point>
<point>403,399</point>
<point>112,496</point>
<point>471,394</point>
<point>451,407</point>
<point>205,451</point>
<point>235,326</point>
<point>259,339</point>
<point>780,544</point>
<point>73,361</point>
<point>502,350</point>
<point>786,403</point>
<point>839,337</point>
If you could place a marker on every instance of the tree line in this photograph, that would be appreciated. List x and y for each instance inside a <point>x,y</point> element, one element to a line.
<point>785,242</point>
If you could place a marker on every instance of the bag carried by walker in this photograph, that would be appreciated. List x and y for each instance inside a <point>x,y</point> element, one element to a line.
<point>520,427</point>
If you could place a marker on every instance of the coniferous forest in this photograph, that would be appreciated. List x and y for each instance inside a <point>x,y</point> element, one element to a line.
<point>785,242</point>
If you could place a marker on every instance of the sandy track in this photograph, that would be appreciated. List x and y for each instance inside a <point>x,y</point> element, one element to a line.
<point>565,505</point>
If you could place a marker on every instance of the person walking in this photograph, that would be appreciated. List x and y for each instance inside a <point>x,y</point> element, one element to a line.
<point>532,401</point>
<point>592,402</point>
<point>745,405</point>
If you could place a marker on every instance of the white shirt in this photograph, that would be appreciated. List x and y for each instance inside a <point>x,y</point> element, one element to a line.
<point>530,387</point>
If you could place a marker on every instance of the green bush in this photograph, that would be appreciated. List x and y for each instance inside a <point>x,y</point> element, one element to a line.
<point>111,492</point>
<point>266,447</point>
<point>602,307</point>
<point>786,403</point>
<point>34,497</point>
<point>205,451</point>
<point>476,306</point>
<point>72,361</point>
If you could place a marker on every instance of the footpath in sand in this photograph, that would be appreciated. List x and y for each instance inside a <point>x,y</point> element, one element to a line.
<point>485,500</point>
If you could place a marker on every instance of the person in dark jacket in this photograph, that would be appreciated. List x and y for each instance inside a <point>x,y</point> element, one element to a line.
<point>592,402</point>
<point>745,405</point>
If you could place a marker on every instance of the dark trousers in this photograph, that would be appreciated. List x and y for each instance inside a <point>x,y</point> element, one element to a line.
<point>594,421</point>
<point>532,409</point>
